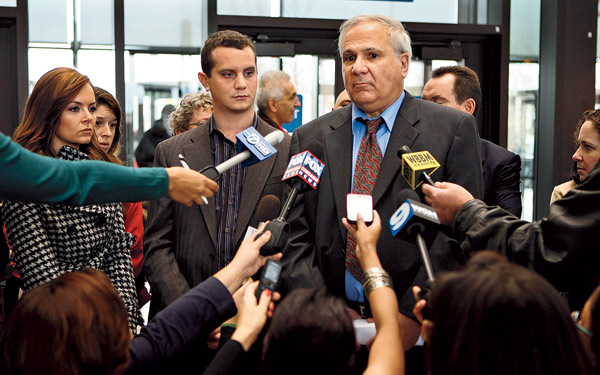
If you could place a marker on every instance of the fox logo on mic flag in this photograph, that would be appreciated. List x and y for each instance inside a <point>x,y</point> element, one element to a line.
<point>305,166</point>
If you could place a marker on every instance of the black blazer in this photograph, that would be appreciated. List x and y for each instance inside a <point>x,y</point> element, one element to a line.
<point>501,177</point>
<point>180,241</point>
<point>316,251</point>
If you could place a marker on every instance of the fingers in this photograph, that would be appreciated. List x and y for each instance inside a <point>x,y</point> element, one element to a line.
<point>276,257</point>
<point>418,310</point>
<point>350,227</point>
<point>416,290</point>
<point>420,305</point>
<point>260,238</point>
<point>376,218</point>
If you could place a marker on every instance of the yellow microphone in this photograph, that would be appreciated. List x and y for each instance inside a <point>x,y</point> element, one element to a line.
<point>417,166</point>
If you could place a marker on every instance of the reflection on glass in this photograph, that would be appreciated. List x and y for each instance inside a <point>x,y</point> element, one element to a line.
<point>523,88</point>
<point>151,82</point>
<point>42,60</point>
<point>99,66</point>
<point>433,11</point>
<point>173,23</point>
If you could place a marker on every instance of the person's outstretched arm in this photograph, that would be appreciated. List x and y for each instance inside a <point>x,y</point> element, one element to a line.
<point>29,177</point>
<point>387,353</point>
<point>196,313</point>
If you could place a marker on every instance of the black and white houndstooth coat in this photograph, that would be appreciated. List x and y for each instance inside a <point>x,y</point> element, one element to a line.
<point>49,240</point>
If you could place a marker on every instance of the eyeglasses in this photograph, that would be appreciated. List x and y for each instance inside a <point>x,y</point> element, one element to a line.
<point>202,122</point>
<point>576,315</point>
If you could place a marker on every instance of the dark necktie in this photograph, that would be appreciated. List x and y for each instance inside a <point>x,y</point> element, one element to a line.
<point>365,174</point>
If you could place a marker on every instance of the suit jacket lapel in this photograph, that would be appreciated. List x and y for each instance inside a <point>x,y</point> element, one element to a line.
<point>254,183</point>
<point>198,155</point>
<point>339,157</point>
<point>403,133</point>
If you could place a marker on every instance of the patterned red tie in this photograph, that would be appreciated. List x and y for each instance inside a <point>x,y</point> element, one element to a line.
<point>365,174</point>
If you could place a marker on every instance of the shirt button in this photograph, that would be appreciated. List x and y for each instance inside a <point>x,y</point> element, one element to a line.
<point>226,230</point>
<point>229,202</point>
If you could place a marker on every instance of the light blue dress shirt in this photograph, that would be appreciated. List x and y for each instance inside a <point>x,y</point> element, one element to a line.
<point>354,290</point>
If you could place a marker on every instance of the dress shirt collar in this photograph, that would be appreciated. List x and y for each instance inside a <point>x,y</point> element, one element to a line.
<point>389,115</point>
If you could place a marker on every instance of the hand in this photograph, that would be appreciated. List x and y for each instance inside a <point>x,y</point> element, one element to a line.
<point>447,198</point>
<point>252,316</point>
<point>213,339</point>
<point>419,305</point>
<point>246,262</point>
<point>366,239</point>
<point>188,187</point>
<point>248,256</point>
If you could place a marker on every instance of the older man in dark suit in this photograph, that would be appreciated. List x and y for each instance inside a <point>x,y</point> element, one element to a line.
<point>375,52</point>
<point>186,245</point>
<point>458,87</point>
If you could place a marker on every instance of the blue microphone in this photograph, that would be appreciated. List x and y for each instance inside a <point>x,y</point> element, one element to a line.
<point>415,222</point>
<point>253,148</point>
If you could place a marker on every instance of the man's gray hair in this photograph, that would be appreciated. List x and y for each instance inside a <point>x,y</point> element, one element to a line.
<point>270,85</point>
<point>398,34</point>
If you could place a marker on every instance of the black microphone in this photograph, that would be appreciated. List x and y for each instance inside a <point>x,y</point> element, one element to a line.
<point>303,173</point>
<point>415,221</point>
<point>417,166</point>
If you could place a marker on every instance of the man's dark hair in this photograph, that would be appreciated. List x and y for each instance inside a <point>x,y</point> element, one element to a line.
<point>495,318</point>
<point>225,38</point>
<point>311,333</point>
<point>466,84</point>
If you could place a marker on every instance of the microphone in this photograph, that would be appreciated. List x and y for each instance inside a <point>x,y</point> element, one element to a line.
<point>267,209</point>
<point>303,173</point>
<point>417,166</point>
<point>257,148</point>
<point>413,221</point>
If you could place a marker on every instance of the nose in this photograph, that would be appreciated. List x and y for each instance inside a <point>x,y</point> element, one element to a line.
<point>297,102</point>
<point>240,82</point>
<point>359,66</point>
<point>106,131</point>
<point>577,156</point>
<point>88,115</point>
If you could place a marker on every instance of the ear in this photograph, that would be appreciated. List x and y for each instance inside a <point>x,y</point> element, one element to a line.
<point>404,60</point>
<point>203,78</point>
<point>469,105</point>
<point>271,105</point>
<point>426,330</point>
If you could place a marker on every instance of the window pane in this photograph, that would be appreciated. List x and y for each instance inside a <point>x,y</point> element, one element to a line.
<point>438,11</point>
<point>525,20</point>
<point>173,23</point>
<point>151,82</point>
<point>326,85</point>
<point>523,87</point>
<point>50,21</point>
<point>42,60</point>
<point>97,22</point>
<point>99,66</point>
<point>8,3</point>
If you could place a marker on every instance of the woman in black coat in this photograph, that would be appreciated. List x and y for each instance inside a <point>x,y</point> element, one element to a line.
<point>49,240</point>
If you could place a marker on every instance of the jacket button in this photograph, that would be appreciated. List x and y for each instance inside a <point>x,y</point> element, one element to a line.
<point>71,229</point>
<point>212,257</point>
<point>342,254</point>
<point>101,221</point>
